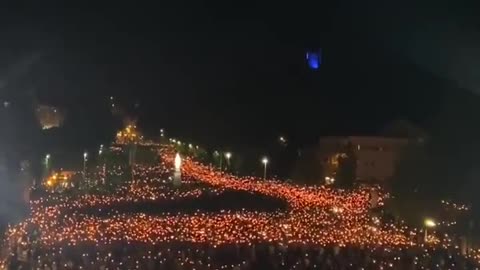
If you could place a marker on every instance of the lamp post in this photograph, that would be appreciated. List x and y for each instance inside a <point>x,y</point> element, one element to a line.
<point>85,156</point>
<point>47,162</point>
<point>429,223</point>
<point>265,162</point>
<point>47,166</point>
<point>216,153</point>
<point>102,162</point>
<point>228,155</point>
<point>329,180</point>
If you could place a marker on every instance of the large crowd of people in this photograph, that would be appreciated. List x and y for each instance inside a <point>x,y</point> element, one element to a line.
<point>260,256</point>
<point>316,228</point>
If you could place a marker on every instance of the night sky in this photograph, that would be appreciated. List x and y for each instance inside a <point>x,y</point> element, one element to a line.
<point>231,74</point>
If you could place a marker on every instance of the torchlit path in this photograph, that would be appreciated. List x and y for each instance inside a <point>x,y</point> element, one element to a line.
<point>316,215</point>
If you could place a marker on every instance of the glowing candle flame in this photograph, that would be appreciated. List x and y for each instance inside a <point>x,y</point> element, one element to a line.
<point>178,162</point>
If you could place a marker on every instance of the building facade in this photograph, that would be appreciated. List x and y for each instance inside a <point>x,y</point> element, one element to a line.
<point>376,157</point>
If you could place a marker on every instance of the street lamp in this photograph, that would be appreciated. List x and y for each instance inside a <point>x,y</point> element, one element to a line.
<point>103,163</point>
<point>47,160</point>
<point>429,223</point>
<point>216,153</point>
<point>329,180</point>
<point>85,156</point>
<point>228,155</point>
<point>265,162</point>
<point>47,166</point>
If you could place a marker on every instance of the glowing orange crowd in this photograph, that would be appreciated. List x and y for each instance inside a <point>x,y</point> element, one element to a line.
<point>316,215</point>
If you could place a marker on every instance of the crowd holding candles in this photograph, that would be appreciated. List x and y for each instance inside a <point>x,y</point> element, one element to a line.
<point>321,228</point>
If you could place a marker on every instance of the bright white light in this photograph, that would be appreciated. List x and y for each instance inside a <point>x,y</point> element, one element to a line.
<point>85,155</point>
<point>265,160</point>
<point>430,223</point>
<point>337,209</point>
<point>178,162</point>
<point>190,146</point>
<point>228,155</point>
<point>47,156</point>
<point>329,180</point>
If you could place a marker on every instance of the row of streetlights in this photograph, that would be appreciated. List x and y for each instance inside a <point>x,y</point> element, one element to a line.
<point>85,159</point>
<point>228,155</point>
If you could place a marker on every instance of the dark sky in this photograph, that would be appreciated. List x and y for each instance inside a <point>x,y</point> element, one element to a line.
<point>233,75</point>
<point>235,72</point>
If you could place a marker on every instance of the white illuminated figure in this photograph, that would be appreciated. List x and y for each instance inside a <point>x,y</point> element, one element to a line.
<point>177,175</point>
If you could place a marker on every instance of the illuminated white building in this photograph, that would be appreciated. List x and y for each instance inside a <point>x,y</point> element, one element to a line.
<point>376,156</point>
